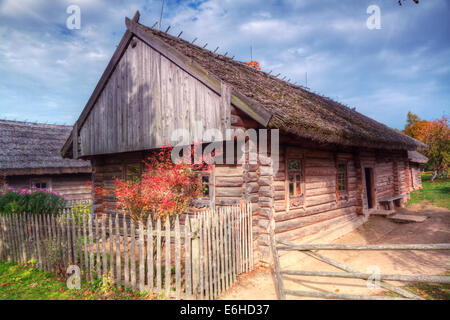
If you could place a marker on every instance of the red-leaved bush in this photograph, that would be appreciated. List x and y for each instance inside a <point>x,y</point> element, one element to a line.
<point>165,189</point>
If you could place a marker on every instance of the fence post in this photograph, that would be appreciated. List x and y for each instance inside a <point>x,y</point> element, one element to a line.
<point>188,261</point>
<point>141,257</point>
<point>195,254</point>
<point>167,269</point>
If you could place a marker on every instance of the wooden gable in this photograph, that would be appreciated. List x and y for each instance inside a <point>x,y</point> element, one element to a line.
<point>145,100</point>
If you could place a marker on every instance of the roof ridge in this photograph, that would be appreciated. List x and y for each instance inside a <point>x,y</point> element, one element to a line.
<point>27,123</point>
<point>218,55</point>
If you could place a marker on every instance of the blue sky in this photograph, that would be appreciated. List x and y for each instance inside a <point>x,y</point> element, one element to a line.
<point>47,72</point>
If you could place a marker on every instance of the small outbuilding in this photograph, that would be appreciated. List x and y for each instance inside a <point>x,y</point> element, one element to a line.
<point>30,156</point>
<point>415,160</point>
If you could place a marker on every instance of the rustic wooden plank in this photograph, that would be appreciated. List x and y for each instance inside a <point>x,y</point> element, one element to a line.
<point>86,268</point>
<point>7,237</point>
<point>158,255</point>
<point>97,247</point>
<point>26,238</point>
<point>63,246</point>
<point>118,251</point>
<point>74,238</point>
<point>133,254</point>
<point>69,239</point>
<point>150,280</point>
<point>111,249</point>
<point>141,258</point>
<point>21,224</point>
<point>53,227</point>
<point>209,254</point>
<point>50,245</point>
<point>203,271</point>
<point>2,239</point>
<point>4,236</point>
<point>38,241</point>
<point>105,258</point>
<point>11,248</point>
<point>240,249</point>
<point>177,259</point>
<point>236,241</point>
<point>91,250</point>
<point>187,261</point>
<point>222,251</point>
<point>17,241</point>
<point>167,271</point>
<point>14,240</point>
<point>79,242</point>
<point>126,253</point>
<point>251,239</point>
<point>247,238</point>
<point>215,253</point>
<point>46,237</point>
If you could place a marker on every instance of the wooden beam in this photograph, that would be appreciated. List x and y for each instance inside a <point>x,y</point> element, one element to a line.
<point>75,141</point>
<point>136,16</point>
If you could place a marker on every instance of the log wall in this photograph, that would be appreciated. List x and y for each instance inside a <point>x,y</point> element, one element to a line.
<point>71,186</point>
<point>322,215</point>
<point>416,178</point>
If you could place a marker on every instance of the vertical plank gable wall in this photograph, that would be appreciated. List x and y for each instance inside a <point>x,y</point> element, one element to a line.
<point>146,98</point>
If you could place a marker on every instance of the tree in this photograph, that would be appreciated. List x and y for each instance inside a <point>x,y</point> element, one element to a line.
<point>436,134</point>
<point>165,189</point>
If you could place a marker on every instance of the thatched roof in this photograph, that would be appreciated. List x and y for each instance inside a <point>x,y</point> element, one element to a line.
<point>34,148</point>
<point>417,157</point>
<point>294,109</point>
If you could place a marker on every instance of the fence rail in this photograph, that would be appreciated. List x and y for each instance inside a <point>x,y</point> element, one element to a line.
<point>310,250</point>
<point>198,259</point>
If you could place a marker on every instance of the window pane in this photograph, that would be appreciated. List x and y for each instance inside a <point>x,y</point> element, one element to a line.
<point>298,189</point>
<point>342,178</point>
<point>293,165</point>
<point>205,186</point>
<point>133,172</point>
<point>291,185</point>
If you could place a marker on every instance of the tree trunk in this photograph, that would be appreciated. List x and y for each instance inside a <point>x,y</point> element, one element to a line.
<point>433,176</point>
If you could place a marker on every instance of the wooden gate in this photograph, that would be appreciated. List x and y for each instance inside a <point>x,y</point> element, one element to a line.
<point>311,250</point>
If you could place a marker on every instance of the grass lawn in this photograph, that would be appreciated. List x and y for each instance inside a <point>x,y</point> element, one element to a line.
<point>429,291</point>
<point>27,283</point>
<point>436,192</point>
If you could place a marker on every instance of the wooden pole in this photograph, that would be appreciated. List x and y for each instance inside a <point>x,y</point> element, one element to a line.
<point>150,283</point>
<point>167,271</point>
<point>188,261</point>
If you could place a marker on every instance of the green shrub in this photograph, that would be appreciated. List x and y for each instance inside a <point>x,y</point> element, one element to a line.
<point>38,201</point>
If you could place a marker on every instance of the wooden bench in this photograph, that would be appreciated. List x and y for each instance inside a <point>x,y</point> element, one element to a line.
<point>388,203</point>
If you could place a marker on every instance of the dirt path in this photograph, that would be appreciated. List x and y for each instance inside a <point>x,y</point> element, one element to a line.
<point>436,229</point>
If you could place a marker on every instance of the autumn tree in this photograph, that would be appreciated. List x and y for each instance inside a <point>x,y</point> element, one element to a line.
<point>436,134</point>
<point>164,190</point>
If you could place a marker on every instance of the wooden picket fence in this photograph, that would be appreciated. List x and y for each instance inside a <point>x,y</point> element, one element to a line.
<point>196,258</point>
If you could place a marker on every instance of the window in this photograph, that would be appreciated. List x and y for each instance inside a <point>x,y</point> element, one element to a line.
<point>41,184</point>
<point>341,180</point>
<point>133,172</point>
<point>294,182</point>
<point>206,186</point>
<point>206,198</point>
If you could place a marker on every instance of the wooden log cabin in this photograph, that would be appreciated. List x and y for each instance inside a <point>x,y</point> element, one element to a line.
<point>336,166</point>
<point>415,160</point>
<point>30,156</point>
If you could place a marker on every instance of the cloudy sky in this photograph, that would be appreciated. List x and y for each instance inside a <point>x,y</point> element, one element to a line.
<point>47,72</point>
